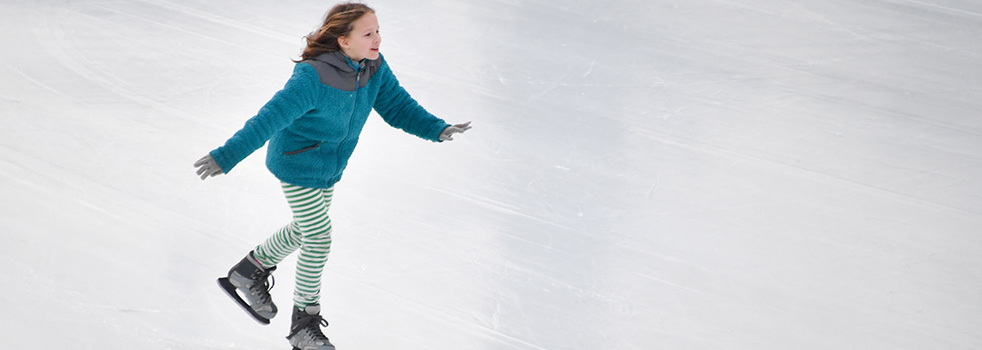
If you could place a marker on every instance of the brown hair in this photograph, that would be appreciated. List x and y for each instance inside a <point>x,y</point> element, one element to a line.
<point>336,24</point>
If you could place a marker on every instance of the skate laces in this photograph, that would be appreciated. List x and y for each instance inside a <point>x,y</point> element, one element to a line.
<point>313,324</point>
<point>314,327</point>
<point>263,289</point>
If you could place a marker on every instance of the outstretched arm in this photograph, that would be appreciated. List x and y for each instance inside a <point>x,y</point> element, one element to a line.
<point>400,110</point>
<point>296,98</point>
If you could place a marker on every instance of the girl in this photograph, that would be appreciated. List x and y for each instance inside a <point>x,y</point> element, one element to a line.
<point>312,126</point>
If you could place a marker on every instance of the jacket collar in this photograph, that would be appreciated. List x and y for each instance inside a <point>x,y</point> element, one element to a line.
<point>339,60</point>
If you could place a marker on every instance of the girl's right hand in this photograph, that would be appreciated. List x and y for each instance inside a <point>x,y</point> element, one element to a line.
<point>207,167</point>
<point>447,134</point>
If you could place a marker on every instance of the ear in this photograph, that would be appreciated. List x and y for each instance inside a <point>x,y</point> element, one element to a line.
<point>343,42</point>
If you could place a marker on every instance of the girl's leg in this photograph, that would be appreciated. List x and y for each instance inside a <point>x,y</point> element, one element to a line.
<point>312,225</point>
<point>282,243</point>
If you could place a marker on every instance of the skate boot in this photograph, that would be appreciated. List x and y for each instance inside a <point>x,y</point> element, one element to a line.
<point>248,280</point>
<point>305,331</point>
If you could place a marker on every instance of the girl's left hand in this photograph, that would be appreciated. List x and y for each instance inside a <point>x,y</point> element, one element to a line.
<point>447,134</point>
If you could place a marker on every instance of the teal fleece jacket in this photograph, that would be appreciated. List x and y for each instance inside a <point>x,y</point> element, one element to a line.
<point>313,123</point>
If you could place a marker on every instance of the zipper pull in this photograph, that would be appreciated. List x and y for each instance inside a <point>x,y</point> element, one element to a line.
<point>361,68</point>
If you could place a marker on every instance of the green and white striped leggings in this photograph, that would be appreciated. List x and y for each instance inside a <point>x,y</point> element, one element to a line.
<point>310,231</point>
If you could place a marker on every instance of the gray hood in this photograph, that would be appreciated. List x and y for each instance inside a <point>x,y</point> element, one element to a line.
<point>335,71</point>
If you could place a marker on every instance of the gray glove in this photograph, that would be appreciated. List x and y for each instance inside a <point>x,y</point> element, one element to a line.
<point>447,134</point>
<point>208,167</point>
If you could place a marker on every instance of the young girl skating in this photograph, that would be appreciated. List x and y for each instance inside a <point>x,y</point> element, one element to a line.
<point>312,126</point>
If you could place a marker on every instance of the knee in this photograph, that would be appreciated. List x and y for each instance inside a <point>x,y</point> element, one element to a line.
<point>319,237</point>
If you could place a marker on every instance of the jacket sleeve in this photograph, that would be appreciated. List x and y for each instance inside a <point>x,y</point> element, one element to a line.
<point>296,98</point>
<point>400,110</point>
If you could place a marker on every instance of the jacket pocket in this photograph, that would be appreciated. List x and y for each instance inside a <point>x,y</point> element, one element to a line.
<point>302,150</point>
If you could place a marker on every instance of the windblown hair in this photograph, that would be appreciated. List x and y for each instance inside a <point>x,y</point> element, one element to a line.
<point>337,23</point>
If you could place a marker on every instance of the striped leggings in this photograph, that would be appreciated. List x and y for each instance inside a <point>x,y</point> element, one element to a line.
<point>310,231</point>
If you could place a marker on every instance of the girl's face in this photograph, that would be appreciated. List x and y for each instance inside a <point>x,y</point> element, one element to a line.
<point>364,39</point>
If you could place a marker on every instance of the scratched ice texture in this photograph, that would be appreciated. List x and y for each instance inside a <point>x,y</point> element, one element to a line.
<point>642,174</point>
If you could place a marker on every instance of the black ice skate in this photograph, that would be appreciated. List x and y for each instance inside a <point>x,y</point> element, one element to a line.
<point>305,330</point>
<point>248,280</point>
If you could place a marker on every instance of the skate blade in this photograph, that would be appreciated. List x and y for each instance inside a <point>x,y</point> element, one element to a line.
<point>230,290</point>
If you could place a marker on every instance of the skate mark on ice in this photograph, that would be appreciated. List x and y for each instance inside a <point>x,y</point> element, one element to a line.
<point>695,145</point>
<point>442,316</point>
<point>225,21</point>
<point>673,284</point>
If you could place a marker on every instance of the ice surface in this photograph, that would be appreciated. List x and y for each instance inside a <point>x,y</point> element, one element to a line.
<point>642,174</point>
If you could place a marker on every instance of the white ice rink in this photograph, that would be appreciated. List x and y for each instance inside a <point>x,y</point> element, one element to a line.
<point>642,174</point>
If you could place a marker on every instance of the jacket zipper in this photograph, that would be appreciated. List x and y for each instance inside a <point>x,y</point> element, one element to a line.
<point>354,107</point>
